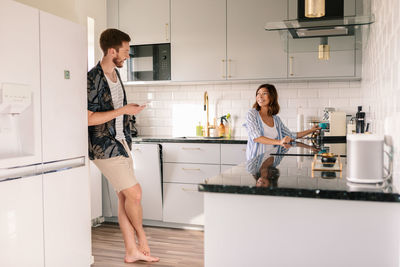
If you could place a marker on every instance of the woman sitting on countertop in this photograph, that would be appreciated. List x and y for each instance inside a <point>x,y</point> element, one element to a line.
<point>263,125</point>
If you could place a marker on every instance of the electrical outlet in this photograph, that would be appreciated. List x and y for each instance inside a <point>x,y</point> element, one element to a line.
<point>67,74</point>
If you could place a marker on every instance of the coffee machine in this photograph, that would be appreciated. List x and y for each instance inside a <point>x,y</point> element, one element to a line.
<point>334,126</point>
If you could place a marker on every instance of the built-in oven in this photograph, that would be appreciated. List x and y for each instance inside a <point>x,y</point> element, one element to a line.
<point>150,62</point>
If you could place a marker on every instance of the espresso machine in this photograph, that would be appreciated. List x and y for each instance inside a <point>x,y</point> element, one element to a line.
<point>333,126</point>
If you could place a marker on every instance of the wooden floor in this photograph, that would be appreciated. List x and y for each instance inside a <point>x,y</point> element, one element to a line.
<point>174,247</point>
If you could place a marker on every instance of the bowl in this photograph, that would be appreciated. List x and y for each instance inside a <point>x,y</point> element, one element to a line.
<point>328,175</point>
<point>328,159</point>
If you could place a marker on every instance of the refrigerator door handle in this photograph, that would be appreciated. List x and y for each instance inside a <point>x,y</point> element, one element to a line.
<point>62,165</point>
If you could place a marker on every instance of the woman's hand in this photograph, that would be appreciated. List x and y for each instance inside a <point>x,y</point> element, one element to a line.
<point>315,128</point>
<point>285,140</point>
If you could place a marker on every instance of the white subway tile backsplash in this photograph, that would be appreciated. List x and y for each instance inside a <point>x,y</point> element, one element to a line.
<point>158,118</point>
<point>305,93</point>
<point>288,92</point>
<point>318,84</point>
<point>350,92</point>
<point>339,84</point>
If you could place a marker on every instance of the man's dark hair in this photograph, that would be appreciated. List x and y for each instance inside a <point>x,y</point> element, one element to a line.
<point>112,38</point>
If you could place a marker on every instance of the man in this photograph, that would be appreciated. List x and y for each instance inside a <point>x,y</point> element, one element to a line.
<point>110,140</point>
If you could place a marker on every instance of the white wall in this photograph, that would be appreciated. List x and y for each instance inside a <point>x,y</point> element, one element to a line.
<point>235,98</point>
<point>76,11</point>
<point>381,66</point>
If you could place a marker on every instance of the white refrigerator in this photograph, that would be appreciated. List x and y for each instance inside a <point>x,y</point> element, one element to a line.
<point>44,179</point>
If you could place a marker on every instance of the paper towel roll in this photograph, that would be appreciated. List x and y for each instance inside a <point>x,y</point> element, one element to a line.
<point>300,122</point>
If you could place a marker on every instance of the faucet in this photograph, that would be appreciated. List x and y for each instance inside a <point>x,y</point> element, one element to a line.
<point>206,108</point>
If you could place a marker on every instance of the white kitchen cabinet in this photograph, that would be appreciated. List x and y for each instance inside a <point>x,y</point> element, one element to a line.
<point>185,165</point>
<point>183,203</point>
<point>66,209</point>
<point>21,222</point>
<point>146,162</point>
<point>224,40</point>
<point>63,81</point>
<point>253,52</point>
<point>191,153</point>
<point>233,154</point>
<point>189,173</point>
<point>305,63</point>
<point>198,43</point>
<point>147,22</point>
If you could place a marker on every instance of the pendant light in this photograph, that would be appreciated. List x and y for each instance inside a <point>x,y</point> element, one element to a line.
<point>314,8</point>
<point>324,49</point>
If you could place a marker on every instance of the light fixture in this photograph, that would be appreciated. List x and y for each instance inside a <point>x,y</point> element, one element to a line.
<point>314,8</point>
<point>323,49</point>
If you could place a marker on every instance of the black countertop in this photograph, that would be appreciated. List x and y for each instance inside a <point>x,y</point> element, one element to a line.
<point>288,173</point>
<point>169,139</point>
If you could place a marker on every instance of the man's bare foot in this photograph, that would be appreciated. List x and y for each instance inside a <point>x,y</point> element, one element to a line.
<point>144,248</point>
<point>139,256</point>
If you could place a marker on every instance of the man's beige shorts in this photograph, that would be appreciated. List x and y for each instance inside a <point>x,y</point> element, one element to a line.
<point>118,170</point>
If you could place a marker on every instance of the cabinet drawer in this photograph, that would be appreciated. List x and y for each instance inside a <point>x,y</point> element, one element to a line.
<point>183,204</point>
<point>189,173</point>
<point>191,153</point>
<point>233,154</point>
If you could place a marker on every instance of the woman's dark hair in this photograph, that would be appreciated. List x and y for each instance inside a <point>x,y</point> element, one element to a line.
<point>273,99</point>
<point>112,38</point>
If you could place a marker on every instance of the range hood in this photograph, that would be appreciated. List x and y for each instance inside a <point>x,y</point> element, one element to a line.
<point>333,23</point>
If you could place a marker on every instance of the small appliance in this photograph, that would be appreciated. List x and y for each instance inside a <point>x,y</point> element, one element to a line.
<point>365,158</point>
<point>150,62</point>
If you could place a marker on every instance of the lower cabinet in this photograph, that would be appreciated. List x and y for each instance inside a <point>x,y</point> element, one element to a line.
<point>21,222</point>
<point>183,203</point>
<point>66,209</point>
<point>146,162</point>
<point>185,166</point>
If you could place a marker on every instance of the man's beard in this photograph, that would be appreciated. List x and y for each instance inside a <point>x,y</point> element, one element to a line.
<point>118,63</point>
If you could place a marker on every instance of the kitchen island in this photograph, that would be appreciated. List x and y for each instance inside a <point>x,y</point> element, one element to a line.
<point>275,211</point>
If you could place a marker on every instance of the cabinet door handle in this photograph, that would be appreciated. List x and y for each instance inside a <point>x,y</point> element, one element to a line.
<point>191,148</point>
<point>190,169</point>
<point>189,190</point>
<point>229,68</point>
<point>244,149</point>
<point>223,68</point>
<point>136,149</point>
<point>166,32</point>
<point>291,66</point>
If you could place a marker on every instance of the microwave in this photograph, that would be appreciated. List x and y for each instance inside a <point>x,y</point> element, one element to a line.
<point>151,62</point>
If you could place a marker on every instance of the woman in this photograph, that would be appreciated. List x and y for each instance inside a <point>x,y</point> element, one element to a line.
<point>263,125</point>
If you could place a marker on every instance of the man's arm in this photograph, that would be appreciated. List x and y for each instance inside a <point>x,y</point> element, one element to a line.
<point>96,118</point>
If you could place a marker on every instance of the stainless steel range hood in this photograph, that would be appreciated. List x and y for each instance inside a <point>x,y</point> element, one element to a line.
<point>321,28</point>
<point>332,23</point>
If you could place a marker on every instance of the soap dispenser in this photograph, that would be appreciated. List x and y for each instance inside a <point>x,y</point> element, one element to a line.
<point>221,128</point>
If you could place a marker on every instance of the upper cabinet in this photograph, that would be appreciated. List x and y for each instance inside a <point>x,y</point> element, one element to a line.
<point>304,63</point>
<point>226,40</point>
<point>147,22</point>
<point>198,45</point>
<point>252,52</point>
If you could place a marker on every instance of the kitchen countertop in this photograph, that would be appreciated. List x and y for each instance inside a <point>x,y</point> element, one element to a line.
<point>288,173</point>
<point>187,139</point>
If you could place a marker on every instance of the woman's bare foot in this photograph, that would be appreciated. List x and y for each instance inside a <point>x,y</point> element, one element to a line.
<point>139,256</point>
